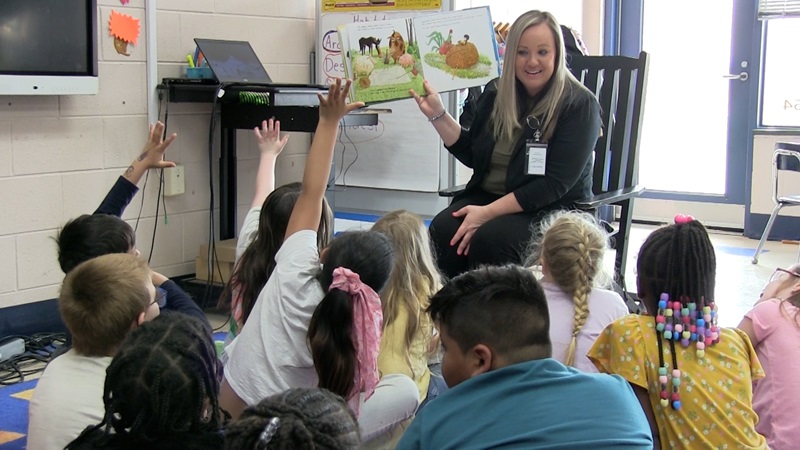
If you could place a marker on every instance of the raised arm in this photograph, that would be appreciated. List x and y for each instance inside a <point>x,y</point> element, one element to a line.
<point>152,156</point>
<point>431,105</point>
<point>270,145</point>
<point>307,210</point>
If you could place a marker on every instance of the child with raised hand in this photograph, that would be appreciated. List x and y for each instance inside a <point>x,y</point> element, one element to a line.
<point>160,391</point>
<point>104,232</point>
<point>773,326</point>
<point>264,228</point>
<point>286,347</point>
<point>407,329</point>
<point>300,418</point>
<point>694,380</point>
<point>571,251</point>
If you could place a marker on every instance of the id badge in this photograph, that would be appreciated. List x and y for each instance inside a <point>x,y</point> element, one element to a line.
<point>536,156</point>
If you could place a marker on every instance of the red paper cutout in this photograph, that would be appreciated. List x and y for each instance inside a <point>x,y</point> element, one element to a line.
<point>124,2</point>
<point>124,27</point>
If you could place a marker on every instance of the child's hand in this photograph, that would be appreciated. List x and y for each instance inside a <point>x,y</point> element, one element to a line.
<point>334,106</point>
<point>153,152</point>
<point>269,140</point>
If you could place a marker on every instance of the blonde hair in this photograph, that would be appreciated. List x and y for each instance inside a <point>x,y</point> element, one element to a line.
<point>101,298</point>
<point>572,248</point>
<point>505,114</point>
<point>415,277</point>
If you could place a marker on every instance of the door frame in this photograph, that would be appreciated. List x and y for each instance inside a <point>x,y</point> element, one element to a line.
<point>623,36</point>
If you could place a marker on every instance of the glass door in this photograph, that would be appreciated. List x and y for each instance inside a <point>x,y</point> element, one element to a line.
<point>697,124</point>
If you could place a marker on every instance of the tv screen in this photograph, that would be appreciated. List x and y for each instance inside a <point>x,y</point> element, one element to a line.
<point>48,46</point>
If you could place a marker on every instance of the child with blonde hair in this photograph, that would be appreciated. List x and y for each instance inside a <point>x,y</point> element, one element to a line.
<point>773,326</point>
<point>571,252</point>
<point>407,330</point>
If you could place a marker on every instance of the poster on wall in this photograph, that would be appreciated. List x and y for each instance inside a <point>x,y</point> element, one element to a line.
<point>379,5</point>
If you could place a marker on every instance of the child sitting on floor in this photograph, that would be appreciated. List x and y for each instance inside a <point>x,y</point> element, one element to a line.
<point>505,389</point>
<point>300,418</point>
<point>694,380</point>
<point>101,301</point>
<point>773,326</point>
<point>160,391</point>
<point>571,253</point>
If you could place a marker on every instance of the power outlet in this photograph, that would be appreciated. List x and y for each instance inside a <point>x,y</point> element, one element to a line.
<point>174,181</point>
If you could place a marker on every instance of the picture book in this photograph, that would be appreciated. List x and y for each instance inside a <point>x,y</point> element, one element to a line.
<point>452,50</point>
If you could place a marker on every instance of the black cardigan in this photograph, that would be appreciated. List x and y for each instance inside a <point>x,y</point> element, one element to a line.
<point>568,175</point>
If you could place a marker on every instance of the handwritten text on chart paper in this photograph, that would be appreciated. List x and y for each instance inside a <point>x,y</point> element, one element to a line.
<point>332,65</point>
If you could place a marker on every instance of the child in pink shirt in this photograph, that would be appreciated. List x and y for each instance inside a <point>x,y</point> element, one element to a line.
<point>773,326</point>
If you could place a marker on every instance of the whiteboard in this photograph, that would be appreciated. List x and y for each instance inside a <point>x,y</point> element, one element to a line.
<point>402,152</point>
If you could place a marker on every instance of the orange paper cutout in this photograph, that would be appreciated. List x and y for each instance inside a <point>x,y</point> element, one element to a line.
<point>124,27</point>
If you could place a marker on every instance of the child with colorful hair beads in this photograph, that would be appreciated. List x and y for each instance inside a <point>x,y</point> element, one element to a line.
<point>693,378</point>
<point>773,326</point>
<point>299,333</point>
<point>571,252</point>
<point>407,329</point>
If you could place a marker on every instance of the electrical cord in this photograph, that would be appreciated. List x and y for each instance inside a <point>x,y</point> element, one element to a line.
<point>39,349</point>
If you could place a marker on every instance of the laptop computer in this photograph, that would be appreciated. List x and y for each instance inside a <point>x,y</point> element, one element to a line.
<point>236,62</point>
<point>233,61</point>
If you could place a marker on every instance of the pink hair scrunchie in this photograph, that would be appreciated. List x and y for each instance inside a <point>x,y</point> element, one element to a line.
<point>367,330</point>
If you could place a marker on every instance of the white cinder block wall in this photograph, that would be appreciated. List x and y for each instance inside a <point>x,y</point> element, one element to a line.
<point>60,155</point>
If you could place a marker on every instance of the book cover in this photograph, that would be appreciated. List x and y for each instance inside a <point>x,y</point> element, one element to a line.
<point>452,50</point>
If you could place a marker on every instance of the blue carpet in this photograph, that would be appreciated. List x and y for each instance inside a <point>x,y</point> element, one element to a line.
<point>14,416</point>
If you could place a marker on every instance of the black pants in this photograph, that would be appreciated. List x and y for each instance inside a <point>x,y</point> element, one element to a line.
<point>502,240</point>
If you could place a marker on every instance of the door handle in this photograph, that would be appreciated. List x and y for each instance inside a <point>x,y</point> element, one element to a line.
<point>737,76</point>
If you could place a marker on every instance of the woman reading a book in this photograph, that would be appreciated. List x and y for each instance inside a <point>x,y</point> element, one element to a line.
<point>529,139</point>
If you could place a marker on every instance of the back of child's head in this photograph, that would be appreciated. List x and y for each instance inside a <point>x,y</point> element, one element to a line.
<point>161,386</point>
<point>571,249</point>
<point>503,308</point>
<point>100,300</point>
<point>415,276</point>
<point>676,271</point>
<point>678,260</point>
<point>258,260</point>
<point>355,267</point>
<point>299,418</point>
<point>89,236</point>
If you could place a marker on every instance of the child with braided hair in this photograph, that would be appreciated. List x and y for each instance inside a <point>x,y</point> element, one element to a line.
<point>160,391</point>
<point>693,379</point>
<point>300,418</point>
<point>571,251</point>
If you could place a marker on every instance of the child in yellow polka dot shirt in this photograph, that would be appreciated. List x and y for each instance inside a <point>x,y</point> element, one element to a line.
<point>693,379</point>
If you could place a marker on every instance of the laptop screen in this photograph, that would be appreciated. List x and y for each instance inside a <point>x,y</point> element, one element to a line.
<point>233,61</point>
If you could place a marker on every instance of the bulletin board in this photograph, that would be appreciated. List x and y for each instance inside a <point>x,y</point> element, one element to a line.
<point>401,152</point>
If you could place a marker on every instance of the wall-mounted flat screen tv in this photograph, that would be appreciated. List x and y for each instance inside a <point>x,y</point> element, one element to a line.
<point>48,47</point>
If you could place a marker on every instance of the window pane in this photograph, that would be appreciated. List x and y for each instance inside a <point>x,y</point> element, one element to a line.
<point>685,126</point>
<point>780,104</point>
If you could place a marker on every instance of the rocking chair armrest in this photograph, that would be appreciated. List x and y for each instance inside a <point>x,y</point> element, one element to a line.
<point>610,197</point>
<point>452,191</point>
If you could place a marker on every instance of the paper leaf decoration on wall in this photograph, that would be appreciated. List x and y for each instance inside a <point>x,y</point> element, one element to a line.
<point>124,27</point>
<point>124,2</point>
